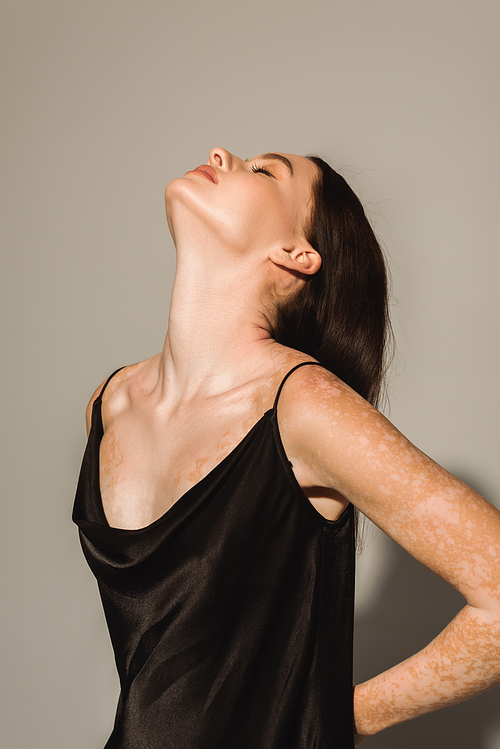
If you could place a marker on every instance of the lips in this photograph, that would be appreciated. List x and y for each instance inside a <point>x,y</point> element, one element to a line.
<point>207,170</point>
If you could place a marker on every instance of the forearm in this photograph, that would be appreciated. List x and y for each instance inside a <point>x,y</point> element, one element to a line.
<point>463,660</point>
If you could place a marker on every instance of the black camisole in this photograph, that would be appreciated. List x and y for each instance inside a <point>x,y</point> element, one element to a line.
<point>231,615</point>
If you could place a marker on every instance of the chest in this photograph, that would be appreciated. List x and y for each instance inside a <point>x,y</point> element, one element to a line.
<point>146,465</point>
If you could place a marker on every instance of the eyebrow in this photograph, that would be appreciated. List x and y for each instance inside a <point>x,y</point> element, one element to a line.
<point>277,157</point>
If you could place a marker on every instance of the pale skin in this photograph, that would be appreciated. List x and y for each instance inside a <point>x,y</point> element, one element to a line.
<point>169,420</point>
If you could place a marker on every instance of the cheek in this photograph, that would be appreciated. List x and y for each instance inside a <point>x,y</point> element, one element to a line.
<point>260,218</point>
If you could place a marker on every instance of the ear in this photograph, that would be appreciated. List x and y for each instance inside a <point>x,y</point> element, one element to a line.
<point>301,258</point>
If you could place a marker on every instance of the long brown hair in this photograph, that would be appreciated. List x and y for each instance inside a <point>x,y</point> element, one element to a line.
<point>340,315</point>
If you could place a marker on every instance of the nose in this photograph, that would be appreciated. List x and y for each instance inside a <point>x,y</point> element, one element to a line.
<point>221,158</point>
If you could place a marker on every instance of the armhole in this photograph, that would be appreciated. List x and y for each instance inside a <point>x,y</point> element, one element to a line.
<point>96,404</point>
<point>348,511</point>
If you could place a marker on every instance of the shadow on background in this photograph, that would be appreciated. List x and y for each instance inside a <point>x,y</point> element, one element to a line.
<point>413,605</point>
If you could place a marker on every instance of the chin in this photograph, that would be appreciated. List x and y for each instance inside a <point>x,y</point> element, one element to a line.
<point>182,189</point>
<point>173,186</point>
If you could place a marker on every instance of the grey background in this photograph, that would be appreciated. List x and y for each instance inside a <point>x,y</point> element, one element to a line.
<point>104,103</point>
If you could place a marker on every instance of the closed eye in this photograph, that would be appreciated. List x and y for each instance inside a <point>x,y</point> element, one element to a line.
<point>261,169</point>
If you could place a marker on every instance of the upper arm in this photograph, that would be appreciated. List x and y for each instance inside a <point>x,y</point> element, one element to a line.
<point>352,448</point>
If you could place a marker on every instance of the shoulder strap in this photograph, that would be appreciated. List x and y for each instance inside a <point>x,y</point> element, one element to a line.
<point>285,378</point>
<point>106,383</point>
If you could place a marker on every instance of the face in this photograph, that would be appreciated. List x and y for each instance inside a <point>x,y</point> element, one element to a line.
<point>252,205</point>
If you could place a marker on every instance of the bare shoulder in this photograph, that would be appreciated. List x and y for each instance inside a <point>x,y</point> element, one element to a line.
<point>313,396</point>
<point>116,396</point>
<point>327,425</point>
<point>90,406</point>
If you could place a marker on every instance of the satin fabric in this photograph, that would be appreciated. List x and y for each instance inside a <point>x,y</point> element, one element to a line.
<point>231,616</point>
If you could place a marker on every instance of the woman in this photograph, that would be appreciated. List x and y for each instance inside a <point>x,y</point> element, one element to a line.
<point>217,496</point>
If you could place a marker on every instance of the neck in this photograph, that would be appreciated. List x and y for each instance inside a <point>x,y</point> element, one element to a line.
<point>218,336</point>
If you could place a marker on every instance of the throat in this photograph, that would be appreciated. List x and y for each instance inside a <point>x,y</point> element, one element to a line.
<point>217,331</point>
